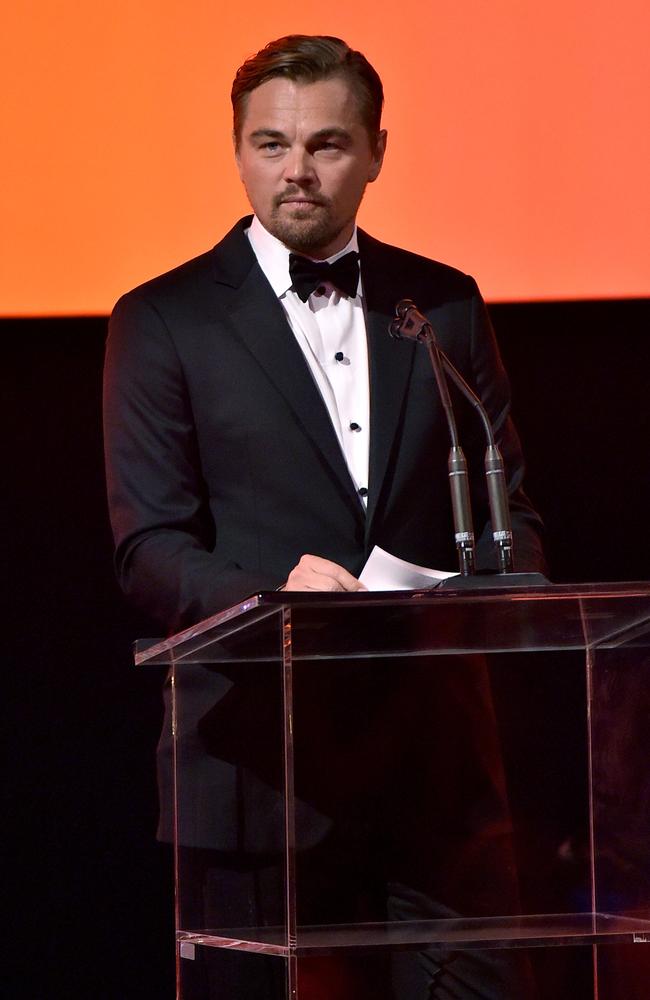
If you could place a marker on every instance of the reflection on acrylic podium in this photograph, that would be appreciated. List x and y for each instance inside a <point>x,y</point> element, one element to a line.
<point>405,796</point>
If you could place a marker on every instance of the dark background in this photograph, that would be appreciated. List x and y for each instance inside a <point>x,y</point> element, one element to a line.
<point>91,906</point>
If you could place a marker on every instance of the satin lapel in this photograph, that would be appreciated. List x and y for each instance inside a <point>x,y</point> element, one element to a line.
<point>390,363</point>
<point>259,320</point>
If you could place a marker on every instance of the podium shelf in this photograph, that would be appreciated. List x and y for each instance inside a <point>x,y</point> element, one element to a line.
<point>531,931</point>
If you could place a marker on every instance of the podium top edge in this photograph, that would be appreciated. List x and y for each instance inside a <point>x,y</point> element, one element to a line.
<point>262,604</point>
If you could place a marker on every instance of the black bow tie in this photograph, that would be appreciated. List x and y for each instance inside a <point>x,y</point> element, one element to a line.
<point>306,275</point>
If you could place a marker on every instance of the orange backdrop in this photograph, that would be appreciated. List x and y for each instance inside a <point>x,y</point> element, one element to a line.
<point>519,139</point>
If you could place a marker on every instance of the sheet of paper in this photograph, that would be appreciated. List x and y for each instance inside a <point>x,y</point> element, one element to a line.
<point>386,572</point>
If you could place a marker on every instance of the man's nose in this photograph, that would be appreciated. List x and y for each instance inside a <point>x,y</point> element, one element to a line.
<point>299,167</point>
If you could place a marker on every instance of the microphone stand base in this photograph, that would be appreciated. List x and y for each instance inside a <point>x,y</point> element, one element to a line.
<point>496,581</point>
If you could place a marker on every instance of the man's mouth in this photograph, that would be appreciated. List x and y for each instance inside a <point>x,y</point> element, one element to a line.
<point>300,200</point>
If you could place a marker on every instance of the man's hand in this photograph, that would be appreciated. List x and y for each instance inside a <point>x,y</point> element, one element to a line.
<point>315,573</point>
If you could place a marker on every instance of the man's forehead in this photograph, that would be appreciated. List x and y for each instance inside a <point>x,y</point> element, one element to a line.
<point>322,103</point>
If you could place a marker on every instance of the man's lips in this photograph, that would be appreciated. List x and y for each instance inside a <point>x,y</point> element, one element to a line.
<point>296,200</point>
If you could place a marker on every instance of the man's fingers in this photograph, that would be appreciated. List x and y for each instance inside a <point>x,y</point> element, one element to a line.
<point>328,575</point>
<point>319,574</point>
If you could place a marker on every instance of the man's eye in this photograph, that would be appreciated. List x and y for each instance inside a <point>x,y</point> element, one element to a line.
<point>328,149</point>
<point>270,146</point>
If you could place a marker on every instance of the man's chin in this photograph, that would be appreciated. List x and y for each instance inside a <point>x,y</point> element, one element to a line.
<point>303,233</point>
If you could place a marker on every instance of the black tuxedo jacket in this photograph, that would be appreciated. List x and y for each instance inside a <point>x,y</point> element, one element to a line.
<point>224,468</point>
<point>223,465</point>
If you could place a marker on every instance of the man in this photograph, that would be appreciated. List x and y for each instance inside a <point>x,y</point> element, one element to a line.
<point>262,429</point>
<point>234,459</point>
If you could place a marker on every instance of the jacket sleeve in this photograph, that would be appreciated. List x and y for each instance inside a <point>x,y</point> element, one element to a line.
<point>165,554</point>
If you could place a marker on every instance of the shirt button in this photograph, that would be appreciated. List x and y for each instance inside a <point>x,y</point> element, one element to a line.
<point>341,358</point>
<point>363,492</point>
<point>355,427</point>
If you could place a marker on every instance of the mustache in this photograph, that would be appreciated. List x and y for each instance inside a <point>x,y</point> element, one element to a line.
<point>292,193</point>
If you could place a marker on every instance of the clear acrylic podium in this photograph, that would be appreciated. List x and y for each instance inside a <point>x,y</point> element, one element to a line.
<point>373,793</point>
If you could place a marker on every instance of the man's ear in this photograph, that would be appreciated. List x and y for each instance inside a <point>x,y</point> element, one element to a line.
<point>378,155</point>
<point>235,146</point>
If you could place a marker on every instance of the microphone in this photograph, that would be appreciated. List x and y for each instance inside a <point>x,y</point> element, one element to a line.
<point>409,322</point>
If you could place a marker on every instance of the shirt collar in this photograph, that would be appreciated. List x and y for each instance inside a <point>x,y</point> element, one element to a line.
<point>273,256</point>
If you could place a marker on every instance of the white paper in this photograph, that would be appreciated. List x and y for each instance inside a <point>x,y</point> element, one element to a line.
<point>386,572</point>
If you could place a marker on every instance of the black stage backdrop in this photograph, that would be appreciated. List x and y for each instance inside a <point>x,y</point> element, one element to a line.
<point>92,906</point>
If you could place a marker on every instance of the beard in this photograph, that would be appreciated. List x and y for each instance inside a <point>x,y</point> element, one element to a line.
<point>307,229</point>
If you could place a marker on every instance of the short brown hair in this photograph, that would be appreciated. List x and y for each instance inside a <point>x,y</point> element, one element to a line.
<point>310,58</point>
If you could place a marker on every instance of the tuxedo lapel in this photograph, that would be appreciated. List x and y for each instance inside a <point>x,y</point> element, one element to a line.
<point>390,362</point>
<point>259,321</point>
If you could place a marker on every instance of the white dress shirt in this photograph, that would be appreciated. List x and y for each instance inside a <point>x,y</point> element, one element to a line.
<point>331,331</point>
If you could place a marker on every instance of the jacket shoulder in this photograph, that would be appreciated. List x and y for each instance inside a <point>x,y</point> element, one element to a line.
<point>400,261</point>
<point>174,280</point>
<point>228,261</point>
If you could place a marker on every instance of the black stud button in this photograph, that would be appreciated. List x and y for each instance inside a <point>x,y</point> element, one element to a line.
<point>363,492</point>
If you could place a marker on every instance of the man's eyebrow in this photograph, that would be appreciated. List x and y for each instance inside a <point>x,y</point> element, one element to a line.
<point>266,133</point>
<point>334,132</point>
<point>331,132</point>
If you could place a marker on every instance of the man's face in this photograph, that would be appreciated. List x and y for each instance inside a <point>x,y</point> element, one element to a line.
<point>305,158</point>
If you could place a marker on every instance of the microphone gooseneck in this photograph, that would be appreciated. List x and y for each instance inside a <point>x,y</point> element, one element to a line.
<point>411,324</point>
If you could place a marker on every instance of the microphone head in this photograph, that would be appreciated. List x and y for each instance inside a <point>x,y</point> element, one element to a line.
<point>401,310</point>
<point>409,323</point>
<point>403,307</point>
